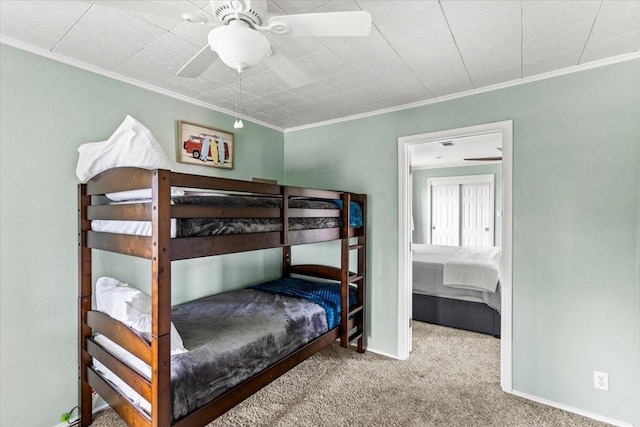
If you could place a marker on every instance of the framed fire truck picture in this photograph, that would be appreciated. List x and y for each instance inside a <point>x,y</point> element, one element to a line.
<point>204,146</point>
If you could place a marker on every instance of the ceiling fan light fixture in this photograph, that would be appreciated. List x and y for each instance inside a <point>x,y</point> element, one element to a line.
<point>238,46</point>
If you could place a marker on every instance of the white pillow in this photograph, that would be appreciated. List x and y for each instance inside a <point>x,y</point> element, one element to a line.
<point>131,144</point>
<point>132,307</point>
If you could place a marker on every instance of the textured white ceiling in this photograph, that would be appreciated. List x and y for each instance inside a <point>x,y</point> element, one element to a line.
<point>417,50</point>
<point>438,155</point>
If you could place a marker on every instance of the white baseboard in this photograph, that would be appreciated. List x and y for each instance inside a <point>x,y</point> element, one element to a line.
<point>382,353</point>
<point>74,420</point>
<point>582,412</point>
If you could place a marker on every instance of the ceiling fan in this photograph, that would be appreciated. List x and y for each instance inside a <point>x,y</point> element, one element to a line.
<point>239,42</point>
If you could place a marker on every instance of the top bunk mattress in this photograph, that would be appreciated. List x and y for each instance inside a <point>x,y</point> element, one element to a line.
<point>193,227</point>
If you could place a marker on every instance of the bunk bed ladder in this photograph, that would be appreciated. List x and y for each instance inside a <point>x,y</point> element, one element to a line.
<point>348,278</point>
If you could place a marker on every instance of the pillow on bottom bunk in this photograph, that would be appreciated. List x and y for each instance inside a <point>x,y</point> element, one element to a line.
<point>132,307</point>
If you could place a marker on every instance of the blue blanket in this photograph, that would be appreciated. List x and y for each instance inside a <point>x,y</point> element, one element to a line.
<point>355,217</point>
<point>326,295</point>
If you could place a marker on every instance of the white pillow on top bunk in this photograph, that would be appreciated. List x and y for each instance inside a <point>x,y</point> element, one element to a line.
<point>131,145</point>
<point>132,307</point>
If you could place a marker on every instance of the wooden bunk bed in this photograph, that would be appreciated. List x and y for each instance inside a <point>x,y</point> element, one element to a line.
<point>161,249</point>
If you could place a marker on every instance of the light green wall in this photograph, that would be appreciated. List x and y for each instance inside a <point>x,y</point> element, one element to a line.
<point>576,163</point>
<point>419,186</point>
<point>47,110</point>
<point>576,221</point>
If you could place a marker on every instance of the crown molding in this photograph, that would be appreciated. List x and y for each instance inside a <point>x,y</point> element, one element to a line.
<point>91,68</point>
<point>110,74</point>
<point>522,81</point>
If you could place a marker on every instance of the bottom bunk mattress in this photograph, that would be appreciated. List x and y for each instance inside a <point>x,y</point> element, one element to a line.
<point>234,335</point>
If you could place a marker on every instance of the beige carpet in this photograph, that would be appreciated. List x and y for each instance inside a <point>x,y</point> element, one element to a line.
<point>451,379</point>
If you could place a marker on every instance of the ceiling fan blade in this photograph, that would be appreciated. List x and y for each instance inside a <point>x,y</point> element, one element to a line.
<point>484,159</point>
<point>291,74</point>
<point>200,62</point>
<point>153,8</point>
<point>340,24</point>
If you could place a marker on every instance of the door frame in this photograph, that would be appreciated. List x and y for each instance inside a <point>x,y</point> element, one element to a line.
<point>505,128</point>
<point>461,180</point>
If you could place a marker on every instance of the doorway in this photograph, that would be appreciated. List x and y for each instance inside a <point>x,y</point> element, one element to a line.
<point>405,144</point>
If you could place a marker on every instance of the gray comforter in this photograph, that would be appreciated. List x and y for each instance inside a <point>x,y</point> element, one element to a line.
<point>233,336</point>
<point>192,227</point>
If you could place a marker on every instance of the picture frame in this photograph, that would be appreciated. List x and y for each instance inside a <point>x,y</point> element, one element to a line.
<point>193,138</point>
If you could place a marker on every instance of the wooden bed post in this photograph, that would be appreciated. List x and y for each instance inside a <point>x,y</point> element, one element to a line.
<point>362,270</point>
<point>84,305</point>
<point>286,261</point>
<point>285,215</point>
<point>161,299</point>
<point>284,239</point>
<point>344,270</point>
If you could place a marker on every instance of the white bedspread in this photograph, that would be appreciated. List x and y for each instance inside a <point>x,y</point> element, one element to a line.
<point>475,268</point>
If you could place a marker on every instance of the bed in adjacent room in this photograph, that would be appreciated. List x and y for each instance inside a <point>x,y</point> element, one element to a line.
<point>457,287</point>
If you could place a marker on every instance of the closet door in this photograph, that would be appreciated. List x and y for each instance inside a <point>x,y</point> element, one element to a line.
<point>460,210</point>
<point>477,215</point>
<point>445,215</point>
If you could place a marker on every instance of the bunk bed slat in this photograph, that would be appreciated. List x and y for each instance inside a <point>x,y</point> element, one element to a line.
<point>127,410</point>
<point>297,237</point>
<point>128,211</point>
<point>353,278</point>
<point>223,184</point>
<point>120,334</point>
<point>356,310</point>
<point>355,336</point>
<point>139,246</point>
<point>310,192</point>
<point>321,271</point>
<point>120,179</point>
<point>133,378</point>
<point>193,247</point>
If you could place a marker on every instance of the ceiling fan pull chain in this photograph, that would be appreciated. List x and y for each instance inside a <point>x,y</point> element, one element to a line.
<point>238,124</point>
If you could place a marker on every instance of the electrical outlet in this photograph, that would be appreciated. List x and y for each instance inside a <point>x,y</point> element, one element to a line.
<point>601,380</point>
